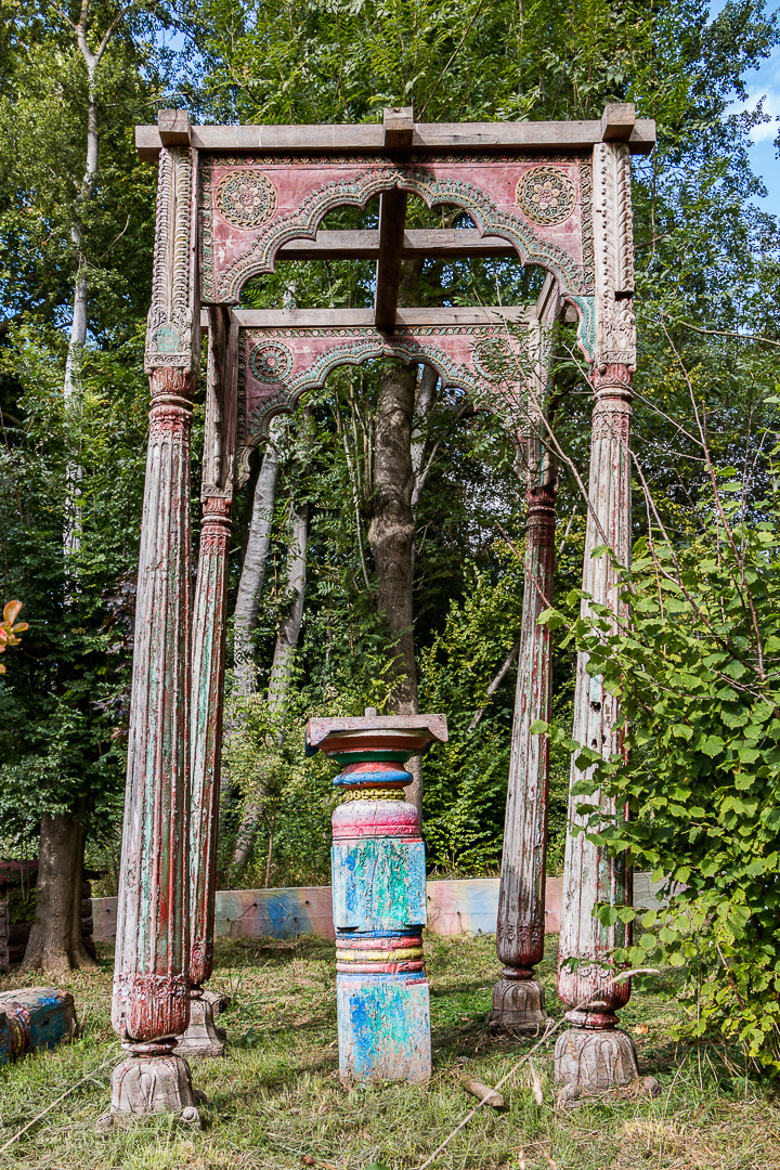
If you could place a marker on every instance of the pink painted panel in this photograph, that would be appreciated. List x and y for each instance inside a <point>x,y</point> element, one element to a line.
<point>250,206</point>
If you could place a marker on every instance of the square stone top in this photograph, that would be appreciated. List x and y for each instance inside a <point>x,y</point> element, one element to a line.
<point>412,733</point>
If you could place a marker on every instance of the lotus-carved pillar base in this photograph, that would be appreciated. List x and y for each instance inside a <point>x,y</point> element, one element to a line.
<point>152,1079</point>
<point>518,1006</point>
<point>590,1061</point>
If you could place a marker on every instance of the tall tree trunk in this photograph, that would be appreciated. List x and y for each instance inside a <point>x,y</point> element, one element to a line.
<point>250,587</point>
<point>391,536</point>
<point>54,945</point>
<point>250,584</point>
<point>287,639</point>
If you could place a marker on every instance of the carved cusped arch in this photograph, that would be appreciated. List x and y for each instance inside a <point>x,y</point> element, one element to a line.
<point>250,207</point>
<point>489,362</point>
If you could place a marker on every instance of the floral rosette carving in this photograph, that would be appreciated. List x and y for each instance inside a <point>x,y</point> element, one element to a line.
<point>245,198</point>
<point>546,195</point>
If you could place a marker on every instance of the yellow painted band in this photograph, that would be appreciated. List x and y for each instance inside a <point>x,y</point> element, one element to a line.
<point>373,794</point>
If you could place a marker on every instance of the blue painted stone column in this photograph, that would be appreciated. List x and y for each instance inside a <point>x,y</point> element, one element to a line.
<point>379,895</point>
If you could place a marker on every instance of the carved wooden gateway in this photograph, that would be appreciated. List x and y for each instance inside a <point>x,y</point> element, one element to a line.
<point>232,201</point>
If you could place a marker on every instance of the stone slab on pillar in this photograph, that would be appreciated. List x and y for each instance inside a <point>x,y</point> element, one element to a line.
<point>379,895</point>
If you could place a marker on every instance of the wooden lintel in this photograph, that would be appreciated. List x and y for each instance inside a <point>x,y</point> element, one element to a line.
<point>440,243</point>
<point>398,125</point>
<point>304,319</point>
<point>427,137</point>
<point>174,127</point>
<point>618,122</point>
<point>392,215</point>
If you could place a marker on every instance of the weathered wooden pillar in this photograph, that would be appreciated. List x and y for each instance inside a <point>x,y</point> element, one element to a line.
<point>592,1055</point>
<point>379,895</point>
<point>208,678</point>
<point>518,998</point>
<point>151,1002</point>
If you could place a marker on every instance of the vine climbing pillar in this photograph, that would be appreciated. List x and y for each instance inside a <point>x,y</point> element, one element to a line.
<point>379,895</point>
<point>592,1055</point>
<point>202,1038</point>
<point>518,997</point>
<point>151,1002</point>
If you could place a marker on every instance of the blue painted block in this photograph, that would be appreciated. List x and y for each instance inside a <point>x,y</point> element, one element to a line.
<point>384,1028</point>
<point>378,884</point>
<point>32,1018</point>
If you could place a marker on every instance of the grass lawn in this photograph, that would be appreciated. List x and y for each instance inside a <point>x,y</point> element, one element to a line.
<point>275,1101</point>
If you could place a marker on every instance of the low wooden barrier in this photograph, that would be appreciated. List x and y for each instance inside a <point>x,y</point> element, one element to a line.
<point>467,906</point>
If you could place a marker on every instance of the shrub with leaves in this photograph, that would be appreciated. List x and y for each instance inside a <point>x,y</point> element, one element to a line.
<point>698,674</point>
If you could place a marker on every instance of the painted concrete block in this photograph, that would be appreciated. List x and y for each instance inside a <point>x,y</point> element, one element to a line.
<point>384,1028</point>
<point>378,884</point>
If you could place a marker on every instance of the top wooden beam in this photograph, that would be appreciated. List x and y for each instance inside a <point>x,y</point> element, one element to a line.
<point>618,123</point>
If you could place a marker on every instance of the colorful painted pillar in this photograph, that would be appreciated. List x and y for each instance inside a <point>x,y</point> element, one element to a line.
<point>592,1055</point>
<point>379,894</point>
<point>151,976</point>
<point>518,997</point>
<point>202,1038</point>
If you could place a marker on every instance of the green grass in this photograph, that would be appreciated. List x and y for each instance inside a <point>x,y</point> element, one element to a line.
<point>275,1097</point>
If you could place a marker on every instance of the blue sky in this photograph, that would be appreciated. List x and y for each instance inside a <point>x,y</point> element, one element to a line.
<point>763,85</point>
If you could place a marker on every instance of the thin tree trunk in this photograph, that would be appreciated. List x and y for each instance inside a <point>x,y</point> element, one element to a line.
<point>250,584</point>
<point>287,639</point>
<point>496,682</point>
<point>50,946</point>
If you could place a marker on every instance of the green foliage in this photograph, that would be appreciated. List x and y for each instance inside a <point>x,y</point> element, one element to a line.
<point>698,675</point>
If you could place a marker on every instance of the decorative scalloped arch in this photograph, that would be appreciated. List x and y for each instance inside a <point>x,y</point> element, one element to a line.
<point>372,181</point>
<point>484,393</point>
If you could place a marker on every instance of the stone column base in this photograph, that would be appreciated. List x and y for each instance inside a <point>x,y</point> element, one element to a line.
<point>518,1007</point>
<point>589,1062</point>
<point>202,1038</point>
<point>151,1083</point>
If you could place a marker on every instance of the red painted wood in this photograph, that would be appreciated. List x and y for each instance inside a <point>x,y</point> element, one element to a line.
<point>151,972</point>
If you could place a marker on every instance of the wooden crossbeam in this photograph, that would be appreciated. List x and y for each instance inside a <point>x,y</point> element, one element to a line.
<point>426,137</point>
<point>363,244</point>
<point>303,319</point>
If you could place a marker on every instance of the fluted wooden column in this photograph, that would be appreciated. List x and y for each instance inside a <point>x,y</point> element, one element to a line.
<point>151,973</point>
<point>208,678</point>
<point>518,998</point>
<point>151,1004</point>
<point>592,1055</point>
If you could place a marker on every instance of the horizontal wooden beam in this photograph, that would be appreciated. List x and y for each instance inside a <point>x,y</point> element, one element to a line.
<point>438,243</point>
<point>426,137</point>
<point>349,318</point>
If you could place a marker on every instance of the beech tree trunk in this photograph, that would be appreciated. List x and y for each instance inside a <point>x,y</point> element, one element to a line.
<point>391,537</point>
<point>287,639</point>
<point>55,944</point>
